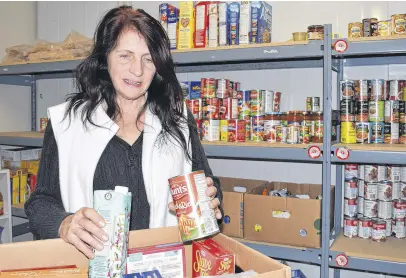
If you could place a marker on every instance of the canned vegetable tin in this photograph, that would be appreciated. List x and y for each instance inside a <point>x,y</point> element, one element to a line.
<point>363,132</point>
<point>348,133</point>
<point>378,129</point>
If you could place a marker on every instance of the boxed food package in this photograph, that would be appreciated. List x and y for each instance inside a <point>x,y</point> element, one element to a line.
<point>56,252</point>
<point>293,220</point>
<point>201,24</point>
<point>169,16</point>
<point>261,22</point>
<point>234,190</point>
<point>186,25</point>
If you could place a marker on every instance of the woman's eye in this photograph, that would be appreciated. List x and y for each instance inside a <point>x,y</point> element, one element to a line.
<point>148,60</point>
<point>124,56</point>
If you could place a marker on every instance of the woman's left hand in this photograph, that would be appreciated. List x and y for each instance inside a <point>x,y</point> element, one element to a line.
<point>211,193</point>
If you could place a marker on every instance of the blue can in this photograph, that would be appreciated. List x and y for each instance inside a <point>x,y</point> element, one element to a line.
<point>377,132</point>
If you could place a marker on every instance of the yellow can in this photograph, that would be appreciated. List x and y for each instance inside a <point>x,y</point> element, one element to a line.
<point>384,28</point>
<point>355,30</point>
<point>224,130</point>
<point>348,133</point>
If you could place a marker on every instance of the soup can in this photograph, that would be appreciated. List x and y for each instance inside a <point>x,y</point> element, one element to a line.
<point>378,230</point>
<point>348,133</point>
<point>350,226</point>
<point>347,88</point>
<point>377,90</point>
<point>362,111</point>
<point>376,111</point>
<point>391,111</point>
<point>377,132</point>
<point>365,227</point>
<point>391,133</point>
<point>363,132</point>
<point>208,88</point>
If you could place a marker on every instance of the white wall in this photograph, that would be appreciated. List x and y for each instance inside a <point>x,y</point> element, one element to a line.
<point>15,100</point>
<point>57,19</point>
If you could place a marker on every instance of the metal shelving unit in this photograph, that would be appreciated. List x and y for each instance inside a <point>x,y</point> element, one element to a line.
<point>270,56</point>
<point>359,254</point>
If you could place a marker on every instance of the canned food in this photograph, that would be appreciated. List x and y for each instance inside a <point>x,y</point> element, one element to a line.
<point>257,128</point>
<point>361,188</point>
<point>399,208</point>
<point>377,92</point>
<point>236,130</point>
<point>247,129</point>
<point>402,190</point>
<point>348,133</point>
<point>382,173</point>
<point>347,110</point>
<point>384,28</point>
<point>195,106</point>
<point>228,108</point>
<point>391,111</point>
<point>398,24</point>
<point>236,86</point>
<point>210,108</point>
<point>391,133</point>
<point>244,110</point>
<point>397,89</point>
<point>350,189</point>
<point>402,133</point>
<point>371,190</point>
<point>385,209</point>
<point>377,132</point>
<point>355,30</point>
<point>378,230</point>
<point>350,227</point>
<point>268,100</point>
<point>347,88</point>
<point>371,173</point>
<point>393,173</point>
<point>403,173</point>
<point>361,90</point>
<point>370,208</point>
<point>350,207</point>
<point>196,219</point>
<point>363,133</point>
<point>365,227</point>
<point>208,88</point>
<point>312,104</point>
<point>350,172</point>
<point>304,134</point>
<point>210,130</point>
<point>270,130</point>
<point>293,134</point>
<point>399,227</point>
<point>223,88</point>
<point>361,205</point>
<point>396,190</point>
<point>362,111</point>
<point>256,103</point>
<point>402,110</point>
<point>386,89</point>
<point>284,134</point>
<point>376,111</point>
<point>388,231</point>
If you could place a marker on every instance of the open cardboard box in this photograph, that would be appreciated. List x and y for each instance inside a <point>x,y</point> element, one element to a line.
<point>233,204</point>
<point>55,252</point>
<point>302,228</point>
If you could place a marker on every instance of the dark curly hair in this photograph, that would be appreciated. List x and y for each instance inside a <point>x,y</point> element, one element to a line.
<point>94,85</point>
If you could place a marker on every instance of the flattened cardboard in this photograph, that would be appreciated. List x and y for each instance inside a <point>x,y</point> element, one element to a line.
<point>56,252</point>
<point>233,204</point>
<point>302,228</point>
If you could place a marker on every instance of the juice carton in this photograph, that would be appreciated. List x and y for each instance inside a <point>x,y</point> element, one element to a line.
<point>201,24</point>
<point>233,28</point>
<point>168,259</point>
<point>245,22</point>
<point>115,208</point>
<point>261,22</point>
<point>211,259</point>
<point>186,25</point>
<point>169,16</point>
<point>223,23</point>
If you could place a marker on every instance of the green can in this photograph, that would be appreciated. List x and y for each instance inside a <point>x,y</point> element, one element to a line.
<point>376,111</point>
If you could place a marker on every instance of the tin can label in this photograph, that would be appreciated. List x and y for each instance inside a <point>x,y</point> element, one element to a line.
<point>397,89</point>
<point>370,208</point>
<point>363,132</point>
<point>208,88</point>
<point>350,207</point>
<point>393,173</point>
<point>376,111</point>
<point>361,188</point>
<point>256,102</point>
<point>347,88</point>
<point>347,110</point>
<point>365,228</point>
<point>399,227</point>
<point>350,227</point>
<point>195,218</point>
<point>362,111</point>
<point>385,209</point>
<point>351,189</point>
<point>399,208</point>
<point>371,173</point>
<point>371,190</point>
<point>270,131</point>
<point>391,133</point>
<point>377,129</point>
<point>377,90</point>
<point>350,172</point>
<point>257,128</point>
<point>348,133</point>
<point>392,111</point>
<point>379,231</point>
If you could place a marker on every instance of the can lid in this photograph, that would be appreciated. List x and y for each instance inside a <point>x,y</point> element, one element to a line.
<point>121,189</point>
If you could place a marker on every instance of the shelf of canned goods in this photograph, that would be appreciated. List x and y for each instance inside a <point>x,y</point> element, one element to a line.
<point>328,54</point>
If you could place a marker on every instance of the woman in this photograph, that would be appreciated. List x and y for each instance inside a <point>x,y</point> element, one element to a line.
<point>128,125</point>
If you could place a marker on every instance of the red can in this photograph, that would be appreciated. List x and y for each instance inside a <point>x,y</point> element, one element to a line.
<point>228,108</point>
<point>236,130</point>
<point>208,88</point>
<point>210,108</point>
<point>195,106</point>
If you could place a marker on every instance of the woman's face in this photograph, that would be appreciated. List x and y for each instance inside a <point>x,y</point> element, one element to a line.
<point>130,66</point>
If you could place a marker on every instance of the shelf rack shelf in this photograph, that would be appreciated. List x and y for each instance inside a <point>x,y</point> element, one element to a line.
<point>365,51</point>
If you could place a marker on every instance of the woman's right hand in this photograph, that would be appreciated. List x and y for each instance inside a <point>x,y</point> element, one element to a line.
<point>84,230</point>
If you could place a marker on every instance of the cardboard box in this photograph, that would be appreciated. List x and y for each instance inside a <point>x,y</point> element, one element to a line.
<point>264,222</point>
<point>233,204</point>
<point>55,252</point>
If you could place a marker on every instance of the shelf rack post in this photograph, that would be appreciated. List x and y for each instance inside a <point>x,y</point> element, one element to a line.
<point>326,184</point>
<point>33,103</point>
<point>338,198</point>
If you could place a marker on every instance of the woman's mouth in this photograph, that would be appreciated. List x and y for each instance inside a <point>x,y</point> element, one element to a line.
<point>132,83</point>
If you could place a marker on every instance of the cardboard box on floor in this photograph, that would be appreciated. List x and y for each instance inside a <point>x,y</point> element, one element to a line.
<point>233,204</point>
<point>302,228</point>
<point>55,252</point>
